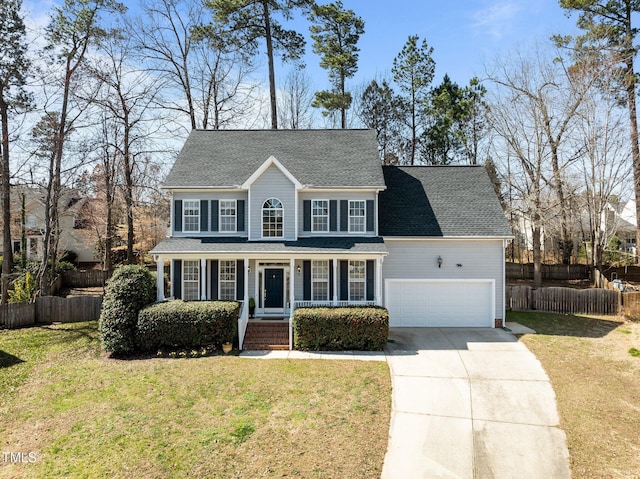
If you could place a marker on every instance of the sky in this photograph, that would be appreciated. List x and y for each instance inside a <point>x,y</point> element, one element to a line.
<point>465,34</point>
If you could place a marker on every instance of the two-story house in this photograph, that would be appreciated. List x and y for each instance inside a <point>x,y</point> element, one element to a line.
<point>310,217</point>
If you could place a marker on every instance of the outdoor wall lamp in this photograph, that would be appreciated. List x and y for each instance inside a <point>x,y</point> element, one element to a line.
<point>249,269</point>
<point>439,261</point>
<point>298,269</point>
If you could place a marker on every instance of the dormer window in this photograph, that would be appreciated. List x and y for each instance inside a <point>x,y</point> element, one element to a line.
<point>191,215</point>
<point>272,218</point>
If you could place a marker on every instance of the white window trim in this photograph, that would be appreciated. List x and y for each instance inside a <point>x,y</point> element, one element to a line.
<point>262,210</point>
<point>184,216</point>
<point>313,229</point>
<point>364,217</point>
<point>357,280</point>
<point>197,281</point>
<point>235,216</point>
<point>235,280</point>
<point>326,281</point>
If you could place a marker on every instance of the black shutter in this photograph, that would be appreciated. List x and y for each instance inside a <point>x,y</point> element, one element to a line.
<point>306,280</point>
<point>344,280</point>
<point>370,212</point>
<point>333,215</point>
<point>240,280</point>
<point>240,214</point>
<point>177,278</point>
<point>370,275</point>
<point>177,215</point>
<point>204,215</point>
<point>214,215</point>
<point>344,215</point>
<point>331,285</point>
<point>306,215</point>
<point>214,279</point>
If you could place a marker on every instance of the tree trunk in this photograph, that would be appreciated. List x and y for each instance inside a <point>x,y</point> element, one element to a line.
<point>635,154</point>
<point>537,257</point>
<point>5,192</point>
<point>272,75</point>
<point>128,194</point>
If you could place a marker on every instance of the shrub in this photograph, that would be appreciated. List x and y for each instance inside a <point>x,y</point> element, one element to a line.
<point>180,324</point>
<point>341,329</point>
<point>69,256</point>
<point>24,289</point>
<point>130,289</point>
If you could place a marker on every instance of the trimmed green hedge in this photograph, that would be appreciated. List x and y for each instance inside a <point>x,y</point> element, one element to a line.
<point>340,328</point>
<point>130,289</point>
<point>180,324</point>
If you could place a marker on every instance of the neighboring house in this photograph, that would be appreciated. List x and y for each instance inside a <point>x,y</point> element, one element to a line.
<point>310,217</point>
<point>621,220</point>
<point>72,236</point>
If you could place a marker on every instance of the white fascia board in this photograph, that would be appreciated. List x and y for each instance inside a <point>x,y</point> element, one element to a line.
<point>266,256</point>
<point>272,160</point>
<point>342,189</point>
<point>203,189</point>
<point>446,238</point>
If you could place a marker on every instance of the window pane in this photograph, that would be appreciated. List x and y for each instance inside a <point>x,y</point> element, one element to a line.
<point>356,216</point>
<point>227,280</point>
<point>272,214</point>
<point>190,283</point>
<point>191,215</point>
<point>357,274</point>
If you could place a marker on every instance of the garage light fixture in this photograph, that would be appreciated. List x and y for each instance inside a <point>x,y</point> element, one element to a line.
<point>439,261</point>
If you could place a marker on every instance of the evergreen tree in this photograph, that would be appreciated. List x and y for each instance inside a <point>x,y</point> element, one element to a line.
<point>14,65</point>
<point>413,70</point>
<point>335,32</point>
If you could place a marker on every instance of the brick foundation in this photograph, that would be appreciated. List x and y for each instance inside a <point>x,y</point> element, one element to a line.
<point>498,323</point>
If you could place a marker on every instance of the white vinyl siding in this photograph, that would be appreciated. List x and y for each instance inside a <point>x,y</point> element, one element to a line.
<point>227,217</point>
<point>191,215</point>
<point>320,280</point>
<point>272,183</point>
<point>227,283</point>
<point>418,259</point>
<point>190,280</point>
<point>357,216</point>
<point>357,278</point>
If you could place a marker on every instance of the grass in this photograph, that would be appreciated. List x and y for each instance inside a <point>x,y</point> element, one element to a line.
<point>85,415</point>
<point>597,384</point>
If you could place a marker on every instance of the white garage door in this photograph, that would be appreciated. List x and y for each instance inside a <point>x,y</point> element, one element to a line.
<point>440,303</point>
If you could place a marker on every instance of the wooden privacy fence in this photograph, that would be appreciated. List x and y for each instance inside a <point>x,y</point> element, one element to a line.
<point>51,309</point>
<point>563,300</point>
<point>86,279</point>
<point>559,272</point>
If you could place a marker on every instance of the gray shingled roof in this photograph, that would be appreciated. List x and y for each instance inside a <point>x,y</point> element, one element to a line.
<point>318,158</point>
<point>241,245</point>
<point>440,201</point>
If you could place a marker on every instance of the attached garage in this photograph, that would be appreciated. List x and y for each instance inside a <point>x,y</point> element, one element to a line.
<point>440,302</point>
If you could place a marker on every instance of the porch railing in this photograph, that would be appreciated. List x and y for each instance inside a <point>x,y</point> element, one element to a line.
<point>243,320</point>
<point>314,304</point>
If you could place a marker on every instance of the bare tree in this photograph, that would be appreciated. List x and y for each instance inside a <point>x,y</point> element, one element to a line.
<point>295,101</point>
<point>202,78</point>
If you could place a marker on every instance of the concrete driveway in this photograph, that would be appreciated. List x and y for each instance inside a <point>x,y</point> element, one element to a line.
<point>470,403</point>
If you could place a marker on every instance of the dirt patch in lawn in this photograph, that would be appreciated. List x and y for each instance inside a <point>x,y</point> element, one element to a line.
<point>597,384</point>
<point>84,415</point>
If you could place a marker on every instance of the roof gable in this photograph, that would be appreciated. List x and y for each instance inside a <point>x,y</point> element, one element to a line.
<point>271,161</point>
<point>315,158</point>
<point>440,201</point>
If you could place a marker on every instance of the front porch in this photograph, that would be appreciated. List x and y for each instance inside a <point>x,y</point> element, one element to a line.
<point>275,287</point>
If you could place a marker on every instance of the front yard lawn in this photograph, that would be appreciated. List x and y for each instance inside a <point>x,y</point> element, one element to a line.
<point>596,379</point>
<point>84,415</point>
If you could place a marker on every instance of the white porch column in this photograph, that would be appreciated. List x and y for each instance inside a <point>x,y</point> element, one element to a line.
<point>379,281</point>
<point>292,283</point>
<point>246,284</point>
<point>203,279</point>
<point>335,281</point>
<point>160,279</point>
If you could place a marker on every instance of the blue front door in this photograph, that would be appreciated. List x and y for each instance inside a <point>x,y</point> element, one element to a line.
<point>274,288</point>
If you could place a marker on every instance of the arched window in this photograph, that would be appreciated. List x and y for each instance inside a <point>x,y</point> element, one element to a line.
<point>272,213</point>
